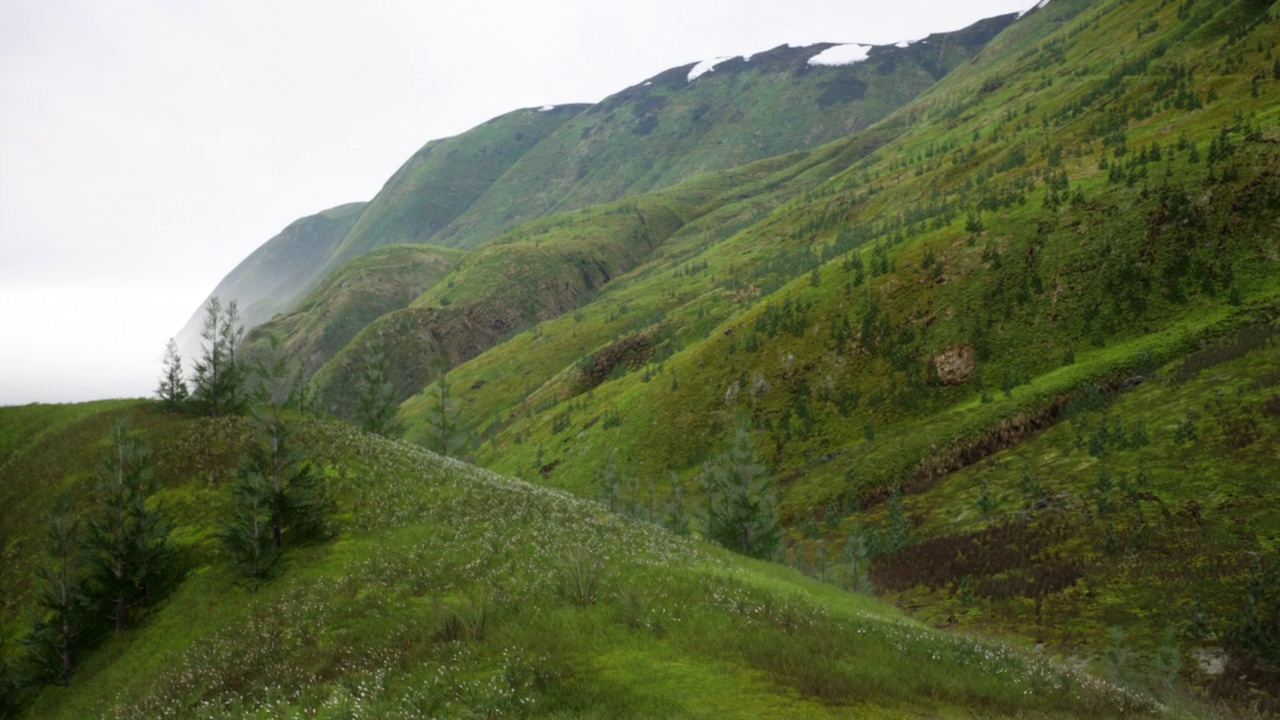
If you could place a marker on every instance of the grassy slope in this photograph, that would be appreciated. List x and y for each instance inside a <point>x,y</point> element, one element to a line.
<point>1110,272</point>
<point>359,625</point>
<point>530,163</point>
<point>445,178</point>
<point>537,272</point>
<point>356,294</point>
<point>425,194</point>
<point>667,129</point>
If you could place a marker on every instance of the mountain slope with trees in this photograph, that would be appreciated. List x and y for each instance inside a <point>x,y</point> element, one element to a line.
<point>461,191</point>
<point>443,589</point>
<point>1005,357</point>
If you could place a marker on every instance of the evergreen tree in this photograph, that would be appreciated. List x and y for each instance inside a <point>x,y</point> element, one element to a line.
<point>57,625</point>
<point>219,381</point>
<point>607,484</point>
<point>898,532</point>
<point>675,515</point>
<point>297,504</point>
<point>127,543</point>
<point>173,391</point>
<point>741,512</point>
<point>247,535</point>
<point>857,564</point>
<point>376,411</point>
<point>444,435</point>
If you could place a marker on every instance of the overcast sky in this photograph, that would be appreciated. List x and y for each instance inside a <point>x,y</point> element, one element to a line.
<point>147,146</point>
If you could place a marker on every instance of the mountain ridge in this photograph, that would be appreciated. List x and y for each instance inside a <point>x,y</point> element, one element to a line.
<point>433,200</point>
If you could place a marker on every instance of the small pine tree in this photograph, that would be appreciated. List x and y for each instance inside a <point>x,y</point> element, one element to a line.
<point>607,485</point>
<point>247,534</point>
<point>986,503</point>
<point>675,515</point>
<point>57,625</point>
<point>973,224</point>
<point>127,542</point>
<point>857,564</point>
<point>897,534</point>
<point>376,410</point>
<point>444,436</point>
<point>219,382</point>
<point>741,510</point>
<point>172,392</point>
<point>297,502</point>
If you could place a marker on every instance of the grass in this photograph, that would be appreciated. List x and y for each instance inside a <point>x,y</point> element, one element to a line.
<point>1043,280</point>
<point>1057,210</point>
<point>442,594</point>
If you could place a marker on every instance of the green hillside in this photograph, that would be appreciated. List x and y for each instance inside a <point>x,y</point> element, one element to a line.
<point>358,293</point>
<point>541,271</point>
<point>670,128</point>
<point>425,194</point>
<point>445,590</point>
<point>1095,198</point>
<point>1010,344</point>
<point>461,191</point>
<point>275,275</point>
<point>445,178</point>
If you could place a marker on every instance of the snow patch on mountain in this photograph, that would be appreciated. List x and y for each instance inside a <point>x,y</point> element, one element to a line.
<point>841,55</point>
<point>707,66</point>
<point>1039,5</point>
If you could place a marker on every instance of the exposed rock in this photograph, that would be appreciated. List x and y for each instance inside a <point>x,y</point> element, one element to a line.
<point>955,364</point>
<point>1132,382</point>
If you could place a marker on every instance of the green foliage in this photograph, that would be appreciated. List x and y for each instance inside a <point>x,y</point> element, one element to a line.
<point>173,392</point>
<point>377,408</point>
<point>1146,250</point>
<point>126,542</point>
<point>247,535</point>
<point>986,503</point>
<point>579,577</point>
<point>896,535</point>
<point>218,387</point>
<point>59,625</point>
<point>741,511</point>
<point>278,498</point>
<point>443,434</point>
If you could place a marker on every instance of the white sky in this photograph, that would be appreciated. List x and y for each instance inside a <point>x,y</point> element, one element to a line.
<point>147,146</point>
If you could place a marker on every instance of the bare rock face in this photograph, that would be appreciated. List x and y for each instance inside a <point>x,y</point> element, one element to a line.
<point>954,364</point>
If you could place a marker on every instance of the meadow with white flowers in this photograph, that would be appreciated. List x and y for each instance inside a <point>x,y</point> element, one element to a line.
<point>445,590</point>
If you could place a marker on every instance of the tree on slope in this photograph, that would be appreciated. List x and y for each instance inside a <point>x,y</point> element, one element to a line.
<point>444,436</point>
<point>376,411</point>
<point>740,509</point>
<point>219,381</point>
<point>127,542</point>
<point>247,534</point>
<point>297,502</point>
<point>57,624</point>
<point>173,391</point>
<point>276,497</point>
